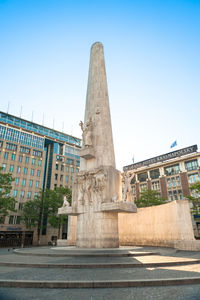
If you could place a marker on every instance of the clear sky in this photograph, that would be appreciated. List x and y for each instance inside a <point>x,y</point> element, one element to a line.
<point>152,53</point>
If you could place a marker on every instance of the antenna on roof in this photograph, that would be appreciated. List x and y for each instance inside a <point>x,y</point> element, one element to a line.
<point>8,107</point>
<point>32,116</point>
<point>20,112</point>
<point>62,126</point>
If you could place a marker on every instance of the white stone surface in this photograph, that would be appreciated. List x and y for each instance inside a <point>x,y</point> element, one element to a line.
<point>162,225</point>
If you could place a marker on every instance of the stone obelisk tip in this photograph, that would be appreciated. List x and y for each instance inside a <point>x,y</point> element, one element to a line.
<point>96,45</point>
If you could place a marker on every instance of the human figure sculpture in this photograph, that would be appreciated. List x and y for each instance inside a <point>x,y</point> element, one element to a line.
<point>127,195</point>
<point>86,133</point>
<point>65,202</point>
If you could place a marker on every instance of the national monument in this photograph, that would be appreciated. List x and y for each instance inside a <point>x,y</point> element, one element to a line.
<point>97,196</point>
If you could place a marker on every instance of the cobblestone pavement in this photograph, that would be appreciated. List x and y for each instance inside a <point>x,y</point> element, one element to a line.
<point>182,292</point>
<point>188,292</point>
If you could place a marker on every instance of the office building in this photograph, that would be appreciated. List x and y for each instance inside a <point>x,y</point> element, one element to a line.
<point>37,157</point>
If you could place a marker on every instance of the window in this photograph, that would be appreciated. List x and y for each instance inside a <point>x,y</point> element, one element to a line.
<point>20,206</point>
<point>38,173</point>
<point>143,187</point>
<point>62,167</point>
<point>25,150</point>
<point>77,169</point>
<point>67,169</point>
<point>37,153</point>
<point>20,158</point>
<point>155,185</point>
<point>11,146</point>
<point>71,178</point>
<point>70,161</point>
<point>56,177</point>
<point>37,184</point>
<point>5,155</point>
<point>18,169</point>
<point>173,182</point>
<point>35,194</point>
<point>66,178</point>
<point>72,170</point>
<point>29,195</point>
<point>142,177</point>
<point>27,160</point>
<point>18,220</point>
<point>154,174</point>
<point>13,156</point>
<point>172,170</point>
<point>33,161</point>
<point>32,172</point>
<point>11,219</point>
<point>193,177</point>
<point>11,168</point>
<point>56,166</point>
<point>61,177</point>
<point>77,163</point>
<point>191,165</point>
<point>16,180</point>
<point>3,167</point>
<point>14,193</point>
<point>25,171</point>
<point>39,163</point>
<point>22,194</point>
<point>23,182</point>
<point>30,184</point>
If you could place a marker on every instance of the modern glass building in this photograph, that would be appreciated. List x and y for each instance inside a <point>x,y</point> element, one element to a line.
<point>37,157</point>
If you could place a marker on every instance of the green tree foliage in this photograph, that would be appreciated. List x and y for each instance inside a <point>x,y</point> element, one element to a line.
<point>149,198</point>
<point>7,203</point>
<point>195,197</point>
<point>46,205</point>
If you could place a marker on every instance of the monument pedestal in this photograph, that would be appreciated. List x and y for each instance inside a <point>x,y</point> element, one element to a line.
<point>97,230</point>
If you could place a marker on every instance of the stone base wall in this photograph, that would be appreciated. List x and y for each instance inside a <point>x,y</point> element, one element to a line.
<point>160,225</point>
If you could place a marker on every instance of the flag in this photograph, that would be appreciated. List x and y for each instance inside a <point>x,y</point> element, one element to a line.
<point>173,144</point>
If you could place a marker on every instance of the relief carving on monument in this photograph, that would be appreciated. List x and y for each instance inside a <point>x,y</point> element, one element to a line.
<point>127,193</point>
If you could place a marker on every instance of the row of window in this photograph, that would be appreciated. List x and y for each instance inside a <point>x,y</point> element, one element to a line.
<point>38,129</point>
<point>66,168</point>
<point>19,168</point>
<point>20,137</point>
<point>69,161</point>
<point>168,171</point>
<point>22,194</point>
<point>20,159</point>
<point>61,177</point>
<point>24,182</point>
<point>172,183</point>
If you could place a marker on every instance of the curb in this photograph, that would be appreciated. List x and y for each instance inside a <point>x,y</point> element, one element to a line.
<point>99,284</point>
<point>101,265</point>
<point>18,252</point>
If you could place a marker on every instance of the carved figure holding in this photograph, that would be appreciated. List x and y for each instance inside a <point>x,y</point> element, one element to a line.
<point>86,133</point>
<point>127,195</point>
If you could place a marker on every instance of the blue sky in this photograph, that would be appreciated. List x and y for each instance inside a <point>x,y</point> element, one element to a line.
<point>152,60</point>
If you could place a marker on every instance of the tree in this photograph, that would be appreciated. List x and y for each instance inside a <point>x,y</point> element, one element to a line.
<point>44,209</point>
<point>7,203</point>
<point>149,198</point>
<point>195,198</point>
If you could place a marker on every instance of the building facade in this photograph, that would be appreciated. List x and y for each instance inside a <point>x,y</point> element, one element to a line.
<point>37,157</point>
<point>170,174</point>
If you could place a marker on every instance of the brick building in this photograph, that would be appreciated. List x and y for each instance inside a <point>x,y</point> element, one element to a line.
<point>169,174</point>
